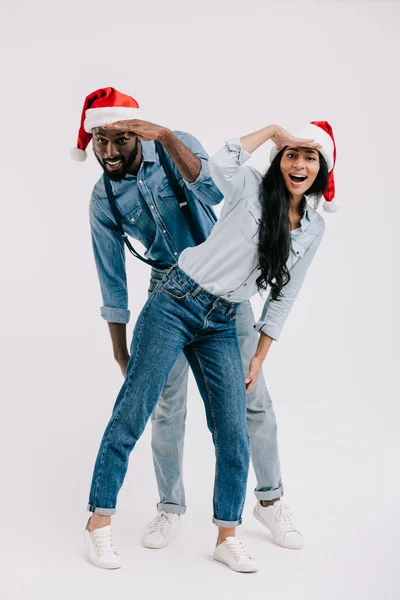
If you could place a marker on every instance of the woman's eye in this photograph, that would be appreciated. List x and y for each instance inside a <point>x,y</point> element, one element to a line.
<point>290,155</point>
<point>311,158</point>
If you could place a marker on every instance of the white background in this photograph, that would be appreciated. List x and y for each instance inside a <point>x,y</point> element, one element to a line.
<point>216,69</point>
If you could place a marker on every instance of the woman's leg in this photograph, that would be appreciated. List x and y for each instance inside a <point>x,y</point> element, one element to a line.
<point>215,360</point>
<point>158,339</point>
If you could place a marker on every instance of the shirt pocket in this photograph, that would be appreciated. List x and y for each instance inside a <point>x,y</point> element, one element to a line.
<point>299,246</point>
<point>133,214</point>
<point>165,191</point>
<point>251,223</point>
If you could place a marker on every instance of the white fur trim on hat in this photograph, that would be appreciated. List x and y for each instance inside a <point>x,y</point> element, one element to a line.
<point>96,117</point>
<point>320,136</point>
<point>78,154</point>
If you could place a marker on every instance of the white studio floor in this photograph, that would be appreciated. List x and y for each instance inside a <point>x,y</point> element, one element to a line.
<point>358,565</point>
<point>351,548</point>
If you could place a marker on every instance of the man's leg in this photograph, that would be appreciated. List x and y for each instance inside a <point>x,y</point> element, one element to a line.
<point>168,422</point>
<point>269,510</point>
<point>261,419</point>
<point>168,428</point>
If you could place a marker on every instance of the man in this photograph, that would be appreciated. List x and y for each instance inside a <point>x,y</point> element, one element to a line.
<point>124,145</point>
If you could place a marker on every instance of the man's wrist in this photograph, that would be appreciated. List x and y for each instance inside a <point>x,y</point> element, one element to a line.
<point>121,356</point>
<point>166,136</point>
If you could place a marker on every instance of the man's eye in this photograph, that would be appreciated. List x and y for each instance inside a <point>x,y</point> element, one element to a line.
<point>101,140</point>
<point>122,140</point>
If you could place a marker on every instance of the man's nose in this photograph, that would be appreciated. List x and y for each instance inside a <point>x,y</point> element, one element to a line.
<point>111,151</point>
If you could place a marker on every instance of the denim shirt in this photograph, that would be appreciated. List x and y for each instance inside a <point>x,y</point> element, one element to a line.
<point>226,255</point>
<point>151,214</point>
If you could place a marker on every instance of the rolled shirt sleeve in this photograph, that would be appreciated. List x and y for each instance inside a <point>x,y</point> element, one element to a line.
<point>109,254</point>
<point>204,187</point>
<point>226,168</point>
<point>275,312</point>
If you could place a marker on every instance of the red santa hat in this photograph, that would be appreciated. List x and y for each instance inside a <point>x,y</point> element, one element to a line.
<point>321,132</point>
<point>105,105</point>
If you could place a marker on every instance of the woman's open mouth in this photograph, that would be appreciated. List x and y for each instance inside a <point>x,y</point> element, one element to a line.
<point>297,180</point>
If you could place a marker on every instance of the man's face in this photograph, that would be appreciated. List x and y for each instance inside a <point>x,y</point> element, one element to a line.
<point>116,151</point>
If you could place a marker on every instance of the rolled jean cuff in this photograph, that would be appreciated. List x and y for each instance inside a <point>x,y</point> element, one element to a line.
<point>176,509</point>
<point>220,523</point>
<point>106,512</point>
<point>270,495</point>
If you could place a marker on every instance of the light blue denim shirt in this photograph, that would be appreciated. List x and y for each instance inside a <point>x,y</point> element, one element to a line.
<point>227,262</point>
<point>151,214</point>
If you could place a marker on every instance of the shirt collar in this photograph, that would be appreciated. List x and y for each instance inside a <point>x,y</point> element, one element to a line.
<point>149,153</point>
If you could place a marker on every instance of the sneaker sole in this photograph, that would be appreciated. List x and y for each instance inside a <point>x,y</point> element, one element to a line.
<point>243,569</point>
<point>157,546</point>
<point>261,520</point>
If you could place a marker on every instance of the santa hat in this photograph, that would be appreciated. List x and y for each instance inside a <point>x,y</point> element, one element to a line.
<point>106,105</point>
<point>321,132</point>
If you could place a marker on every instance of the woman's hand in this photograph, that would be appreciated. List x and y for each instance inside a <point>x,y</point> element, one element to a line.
<point>254,371</point>
<point>282,138</point>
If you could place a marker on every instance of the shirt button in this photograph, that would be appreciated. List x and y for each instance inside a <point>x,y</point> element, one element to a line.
<point>258,220</point>
<point>133,220</point>
<point>164,231</point>
<point>244,285</point>
<point>152,206</point>
<point>175,253</point>
<point>229,295</point>
<point>140,181</point>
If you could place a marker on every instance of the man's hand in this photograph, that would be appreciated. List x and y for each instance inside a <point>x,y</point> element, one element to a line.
<point>254,371</point>
<point>123,363</point>
<point>144,130</point>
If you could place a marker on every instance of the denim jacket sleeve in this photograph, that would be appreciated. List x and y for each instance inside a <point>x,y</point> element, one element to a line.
<point>109,254</point>
<point>275,312</point>
<point>203,188</point>
<point>227,170</point>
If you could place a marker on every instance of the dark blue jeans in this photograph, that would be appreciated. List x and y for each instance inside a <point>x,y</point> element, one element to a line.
<point>181,316</point>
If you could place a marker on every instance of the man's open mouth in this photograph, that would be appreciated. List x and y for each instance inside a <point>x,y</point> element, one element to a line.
<point>113,163</point>
<point>298,178</point>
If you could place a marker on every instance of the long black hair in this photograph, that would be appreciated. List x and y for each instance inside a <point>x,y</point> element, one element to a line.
<point>274,233</point>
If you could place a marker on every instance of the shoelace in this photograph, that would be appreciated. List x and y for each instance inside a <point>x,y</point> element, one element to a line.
<point>236,548</point>
<point>160,522</point>
<point>284,516</point>
<point>103,542</point>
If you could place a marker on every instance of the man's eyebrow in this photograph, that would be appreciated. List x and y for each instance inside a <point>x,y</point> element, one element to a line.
<point>115,132</point>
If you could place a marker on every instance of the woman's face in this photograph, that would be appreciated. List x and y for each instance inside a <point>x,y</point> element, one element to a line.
<point>299,168</point>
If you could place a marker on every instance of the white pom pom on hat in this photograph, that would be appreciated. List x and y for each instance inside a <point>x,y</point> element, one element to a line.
<point>102,106</point>
<point>78,154</point>
<point>322,133</point>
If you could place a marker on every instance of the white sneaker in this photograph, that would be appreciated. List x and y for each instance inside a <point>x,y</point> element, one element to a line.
<point>164,528</point>
<point>278,519</point>
<point>232,553</point>
<point>101,549</point>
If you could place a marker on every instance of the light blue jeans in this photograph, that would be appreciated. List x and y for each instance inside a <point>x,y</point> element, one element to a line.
<point>169,417</point>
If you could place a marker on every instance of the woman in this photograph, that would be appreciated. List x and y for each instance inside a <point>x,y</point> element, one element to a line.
<point>193,309</point>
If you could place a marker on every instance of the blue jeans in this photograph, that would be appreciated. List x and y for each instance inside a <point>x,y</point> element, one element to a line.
<point>181,316</point>
<point>169,417</point>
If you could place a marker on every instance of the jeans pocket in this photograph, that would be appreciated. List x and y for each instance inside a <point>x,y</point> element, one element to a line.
<point>173,288</point>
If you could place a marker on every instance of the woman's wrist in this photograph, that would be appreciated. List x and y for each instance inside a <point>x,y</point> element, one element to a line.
<point>254,140</point>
